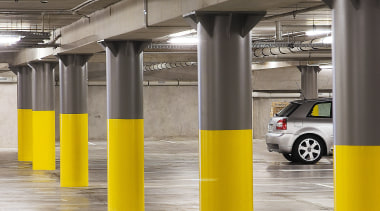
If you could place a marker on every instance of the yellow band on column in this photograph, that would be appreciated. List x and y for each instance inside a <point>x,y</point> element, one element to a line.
<point>357,178</point>
<point>74,150</point>
<point>25,135</point>
<point>44,140</point>
<point>226,170</point>
<point>126,164</point>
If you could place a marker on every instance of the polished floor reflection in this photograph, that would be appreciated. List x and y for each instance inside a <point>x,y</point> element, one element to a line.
<point>171,181</point>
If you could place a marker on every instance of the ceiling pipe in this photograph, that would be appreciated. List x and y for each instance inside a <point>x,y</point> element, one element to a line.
<point>295,12</point>
<point>306,56</point>
<point>278,48</point>
<point>49,12</point>
<point>163,66</point>
<point>278,31</point>
<point>306,27</point>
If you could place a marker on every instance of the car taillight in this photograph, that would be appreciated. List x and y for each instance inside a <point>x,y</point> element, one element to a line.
<point>282,124</point>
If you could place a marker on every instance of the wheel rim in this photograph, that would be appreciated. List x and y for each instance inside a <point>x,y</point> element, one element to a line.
<point>309,149</point>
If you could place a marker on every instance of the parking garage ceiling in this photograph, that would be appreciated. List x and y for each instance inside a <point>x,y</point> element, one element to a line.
<point>48,27</point>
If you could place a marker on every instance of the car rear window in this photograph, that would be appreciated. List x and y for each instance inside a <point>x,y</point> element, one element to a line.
<point>288,110</point>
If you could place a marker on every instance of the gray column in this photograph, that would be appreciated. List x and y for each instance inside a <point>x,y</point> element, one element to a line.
<point>225,109</point>
<point>43,86</point>
<point>74,120</point>
<point>309,81</point>
<point>224,69</point>
<point>24,86</point>
<point>356,104</point>
<point>73,83</point>
<point>124,79</point>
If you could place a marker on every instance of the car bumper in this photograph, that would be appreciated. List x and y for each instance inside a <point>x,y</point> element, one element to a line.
<point>279,142</point>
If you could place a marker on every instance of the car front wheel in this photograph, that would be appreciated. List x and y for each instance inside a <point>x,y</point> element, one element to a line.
<point>308,149</point>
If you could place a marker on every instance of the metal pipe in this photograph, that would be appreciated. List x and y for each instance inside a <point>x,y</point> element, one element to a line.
<point>278,31</point>
<point>288,47</point>
<point>305,27</point>
<point>162,66</point>
<point>295,12</point>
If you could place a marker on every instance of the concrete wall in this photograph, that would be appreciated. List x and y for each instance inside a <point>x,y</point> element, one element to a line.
<point>261,109</point>
<point>8,115</point>
<point>168,111</point>
<point>286,78</point>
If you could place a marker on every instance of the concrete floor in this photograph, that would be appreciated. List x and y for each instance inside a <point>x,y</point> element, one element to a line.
<point>171,181</point>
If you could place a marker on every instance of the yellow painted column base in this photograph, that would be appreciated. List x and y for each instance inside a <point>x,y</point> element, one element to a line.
<point>226,170</point>
<point>74,150</point>
<point>357,178</point>
<point>126,164</point>
<point>44,140</point>
<point>25,135</point>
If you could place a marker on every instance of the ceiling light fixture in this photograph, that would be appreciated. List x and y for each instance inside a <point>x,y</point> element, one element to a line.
<point>327,40</point>
<point>183,40</point>
<point>326,66</point>
<point>317,32</point>
<point>6,40</point>
<point>183,33</point>
<point>44,1</point>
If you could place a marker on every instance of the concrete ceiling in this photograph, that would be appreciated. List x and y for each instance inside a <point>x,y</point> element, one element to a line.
<point>77,25</point>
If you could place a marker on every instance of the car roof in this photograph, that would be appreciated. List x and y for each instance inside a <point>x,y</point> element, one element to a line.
<point>319,100</point>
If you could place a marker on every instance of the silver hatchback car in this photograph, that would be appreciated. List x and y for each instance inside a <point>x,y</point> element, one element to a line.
<point>302,131</point>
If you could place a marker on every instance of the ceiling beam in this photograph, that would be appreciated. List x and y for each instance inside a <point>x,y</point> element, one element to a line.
<point>126,20</point>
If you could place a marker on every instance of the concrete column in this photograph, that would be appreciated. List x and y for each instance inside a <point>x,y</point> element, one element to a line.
<point>125,125</point>
<point>74,120</point>
<point>309,81</point>
<point>356,104</point>
<point>43,115</point>
<point>225,109</point>
<point>24,112</point>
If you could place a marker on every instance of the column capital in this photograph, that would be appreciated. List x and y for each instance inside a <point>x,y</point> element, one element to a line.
<point>243,21</point>
<point>40,65</point>
<point>301,68</point>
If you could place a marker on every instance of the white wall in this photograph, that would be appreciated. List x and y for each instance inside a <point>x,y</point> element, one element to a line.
<point>8,115</point>
<point>168,111</point>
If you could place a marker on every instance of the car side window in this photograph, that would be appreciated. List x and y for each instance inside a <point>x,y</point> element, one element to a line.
<point>321,110</point>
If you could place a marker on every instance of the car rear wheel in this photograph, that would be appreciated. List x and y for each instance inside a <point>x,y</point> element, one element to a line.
<point>308,149</point>
<point>288,157</point>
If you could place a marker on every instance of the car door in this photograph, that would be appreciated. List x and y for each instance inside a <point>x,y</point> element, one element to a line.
<point>319,120</point>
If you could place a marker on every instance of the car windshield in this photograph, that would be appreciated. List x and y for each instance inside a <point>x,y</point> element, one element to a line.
<point>288,110</point>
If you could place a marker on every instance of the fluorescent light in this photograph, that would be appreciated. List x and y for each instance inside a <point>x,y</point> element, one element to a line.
<point>9,39</point>
<point>183,33</point>
<point>184,40</point>
<point>327,40</point>
<point>317,32</point>
<point>326,66</point>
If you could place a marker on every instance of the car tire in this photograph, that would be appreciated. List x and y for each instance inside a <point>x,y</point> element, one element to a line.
<point>308,149</point>
<point>288,157</point>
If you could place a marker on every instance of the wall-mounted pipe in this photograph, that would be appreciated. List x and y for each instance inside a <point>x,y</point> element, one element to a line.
<point>278,48</point>
<point>163,66</point>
